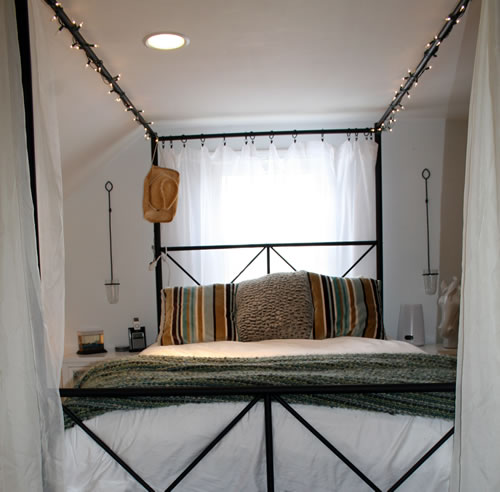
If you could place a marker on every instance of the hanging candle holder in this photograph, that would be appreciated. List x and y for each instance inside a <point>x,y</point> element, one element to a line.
<point>112,285</point>
<point>430,275</point>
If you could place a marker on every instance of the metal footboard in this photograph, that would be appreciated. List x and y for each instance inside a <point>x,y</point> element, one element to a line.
<point>268,395</point>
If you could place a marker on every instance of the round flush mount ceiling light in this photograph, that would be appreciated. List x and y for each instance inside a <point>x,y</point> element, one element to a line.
<point>166,41</point>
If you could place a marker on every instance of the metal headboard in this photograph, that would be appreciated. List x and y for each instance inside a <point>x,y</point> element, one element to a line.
<point>269,248</point>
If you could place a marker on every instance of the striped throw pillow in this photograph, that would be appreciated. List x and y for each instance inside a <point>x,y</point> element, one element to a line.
<point>197,314</point>
<point>346,307</point>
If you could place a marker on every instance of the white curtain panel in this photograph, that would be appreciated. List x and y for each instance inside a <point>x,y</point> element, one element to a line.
<point>477,439</point>
<point>30,415</point>
<point>309,192</point>
<point>49,341</point>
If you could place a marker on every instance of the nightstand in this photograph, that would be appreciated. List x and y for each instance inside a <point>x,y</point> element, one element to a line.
<point>439,349</point>
<point>73,363</point>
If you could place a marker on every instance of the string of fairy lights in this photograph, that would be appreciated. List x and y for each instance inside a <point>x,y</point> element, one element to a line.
<point>93,61</point>
<point>411,79</point>
<point>385,123</point>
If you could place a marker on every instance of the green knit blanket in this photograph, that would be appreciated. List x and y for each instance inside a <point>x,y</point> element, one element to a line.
<point>167,371</point>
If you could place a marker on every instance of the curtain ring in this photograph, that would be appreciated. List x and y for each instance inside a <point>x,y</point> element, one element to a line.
<point>356,136</point>
<point>184,140</point>
<point>252,138</point>
<point>271,137</point>
<point>322,137</point>
<point>246,139</point>
<point>171,144</point>
<point>202,140</point>
<point>294,136</point>
<point>348,136</point>
<point>224,140</point>
<point>163,144</point>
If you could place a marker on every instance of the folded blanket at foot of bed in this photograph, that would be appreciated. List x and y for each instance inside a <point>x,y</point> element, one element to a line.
<point>307,370</point>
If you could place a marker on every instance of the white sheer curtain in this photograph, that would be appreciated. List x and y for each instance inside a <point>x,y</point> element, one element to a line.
<point>30,312</point>
<point>477,437</point>
<point>310,192</point>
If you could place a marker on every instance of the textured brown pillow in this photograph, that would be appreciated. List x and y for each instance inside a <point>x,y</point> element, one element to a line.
<point>278,305</point>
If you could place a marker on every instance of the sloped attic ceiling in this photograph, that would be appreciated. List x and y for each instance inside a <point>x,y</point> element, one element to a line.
<point>291,61</point>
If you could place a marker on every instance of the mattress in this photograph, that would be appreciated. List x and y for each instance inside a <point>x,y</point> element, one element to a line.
<point>159,443</point>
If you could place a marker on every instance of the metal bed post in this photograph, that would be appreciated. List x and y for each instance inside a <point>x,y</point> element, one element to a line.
<point>378,210</point>
<point>157,242</point>
<point>268,423</point>
<point>23,35</point>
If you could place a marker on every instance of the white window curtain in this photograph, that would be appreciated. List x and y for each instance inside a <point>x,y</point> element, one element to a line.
<point>31,310</point>
<point>309,192</point>
<point>477,436</point>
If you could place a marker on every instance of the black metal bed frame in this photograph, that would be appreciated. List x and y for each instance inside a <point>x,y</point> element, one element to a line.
<point>269,394</point>
<point>266,394</point>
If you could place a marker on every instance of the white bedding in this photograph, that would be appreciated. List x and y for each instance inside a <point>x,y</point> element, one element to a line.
<point>160,443</point>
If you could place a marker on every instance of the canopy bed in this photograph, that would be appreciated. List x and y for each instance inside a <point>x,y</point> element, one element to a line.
<point>229,384</point>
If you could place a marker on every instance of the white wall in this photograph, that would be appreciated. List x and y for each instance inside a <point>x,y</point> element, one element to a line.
<point>412,146</point>
<point>438,145</point>
<point>87,248</point>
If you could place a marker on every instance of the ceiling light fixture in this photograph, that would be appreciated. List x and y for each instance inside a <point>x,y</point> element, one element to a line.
<point>166,41</point>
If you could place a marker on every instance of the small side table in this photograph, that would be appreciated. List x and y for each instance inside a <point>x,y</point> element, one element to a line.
<point>74,363</point>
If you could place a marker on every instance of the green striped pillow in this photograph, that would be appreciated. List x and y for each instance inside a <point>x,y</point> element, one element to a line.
<point>346,307</point>
<point>197,314</point>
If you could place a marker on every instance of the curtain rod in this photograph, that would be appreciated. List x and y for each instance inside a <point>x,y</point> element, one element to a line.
<point>271,134</point>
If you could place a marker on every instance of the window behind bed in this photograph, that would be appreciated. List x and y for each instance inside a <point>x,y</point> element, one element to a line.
<point>310,192</point>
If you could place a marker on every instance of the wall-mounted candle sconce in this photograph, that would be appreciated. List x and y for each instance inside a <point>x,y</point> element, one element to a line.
<point>430,275</point>
<point>112,285</point>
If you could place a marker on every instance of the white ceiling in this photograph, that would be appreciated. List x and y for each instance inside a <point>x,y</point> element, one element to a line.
<point>258,61</point>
